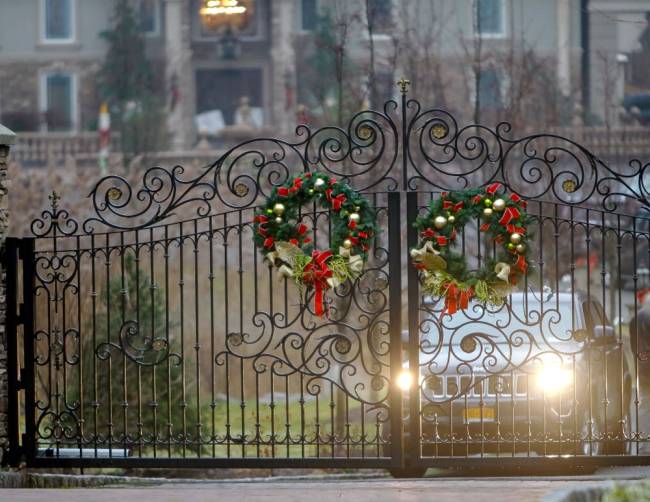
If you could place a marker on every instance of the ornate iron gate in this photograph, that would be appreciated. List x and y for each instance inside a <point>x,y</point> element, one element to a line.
<point>152,334</point>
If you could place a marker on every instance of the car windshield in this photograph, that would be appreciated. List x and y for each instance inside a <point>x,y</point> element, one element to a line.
<point>528,318</point>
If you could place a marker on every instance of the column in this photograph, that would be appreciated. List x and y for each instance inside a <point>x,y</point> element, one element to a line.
<point>180,73</point>
<point>7,138</point>
<point>283,68</point>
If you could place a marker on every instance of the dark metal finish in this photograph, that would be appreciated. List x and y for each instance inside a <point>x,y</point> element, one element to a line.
<point>151,333</point>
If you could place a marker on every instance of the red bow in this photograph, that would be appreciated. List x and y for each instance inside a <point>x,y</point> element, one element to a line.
<point>302,228</point>
<point>477,199</point>
<point>455,207</point>
<point>283,191</point>
<point>456,298</point>
<point>268,242</point>
<point>493,188</point>
<point>337,201</point>
<point>509,214</point>
<point>440,239</point>
<point>260,218</point>
<point>317,272</point>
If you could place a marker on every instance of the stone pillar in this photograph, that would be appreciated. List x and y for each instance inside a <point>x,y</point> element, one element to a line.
<point>7,138</point>
<point>283,69</point>
<point>180,73</point>
<point>564,46</point>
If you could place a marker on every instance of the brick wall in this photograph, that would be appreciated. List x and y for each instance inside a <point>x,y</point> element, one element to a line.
<point>6,138</point>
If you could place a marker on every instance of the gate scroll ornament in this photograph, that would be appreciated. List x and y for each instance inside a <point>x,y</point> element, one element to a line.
<point>444,273</point>
<point>286,244</point>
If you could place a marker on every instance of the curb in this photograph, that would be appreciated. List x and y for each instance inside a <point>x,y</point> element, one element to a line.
<point>31,480</point>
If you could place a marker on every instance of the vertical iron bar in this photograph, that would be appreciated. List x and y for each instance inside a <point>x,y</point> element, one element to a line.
<point>28,255</point>
<point>10,266</point>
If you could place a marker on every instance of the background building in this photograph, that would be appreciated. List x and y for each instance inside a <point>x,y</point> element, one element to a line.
<point>539,64</point>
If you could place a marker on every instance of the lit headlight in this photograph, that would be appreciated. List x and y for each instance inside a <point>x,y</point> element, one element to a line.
<point>553,379</point>
<point>404,380</point>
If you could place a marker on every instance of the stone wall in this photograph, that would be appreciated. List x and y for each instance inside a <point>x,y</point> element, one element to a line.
<point>7,138</point>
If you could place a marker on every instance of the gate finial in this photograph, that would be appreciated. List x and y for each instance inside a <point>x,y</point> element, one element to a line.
<point>403,84</point>
<point>54,200</point>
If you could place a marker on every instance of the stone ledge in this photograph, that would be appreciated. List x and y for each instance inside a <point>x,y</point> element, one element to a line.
<point>7,136</point>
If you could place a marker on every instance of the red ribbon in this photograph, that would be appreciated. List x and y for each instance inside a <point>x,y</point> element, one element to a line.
<point>337,201</point>
<point>477,199</point>
<point>268,242</point>
<point>454,207</point>
<point>431,234</point>
<point>509,214</point>
<point>302,229</point>
<point>493,188</point>
<point>521,264</point>
<point>317,272</point>
<point>456,298</point>
<point>262,231</point>
<point>283,192</point>
<point>514,229</point>
<point>260,218</point>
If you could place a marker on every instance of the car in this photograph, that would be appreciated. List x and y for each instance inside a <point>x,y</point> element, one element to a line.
<point>544,374</point>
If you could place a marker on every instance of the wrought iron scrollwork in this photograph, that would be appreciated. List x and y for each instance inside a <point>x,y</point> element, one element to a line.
<point>142,349</point>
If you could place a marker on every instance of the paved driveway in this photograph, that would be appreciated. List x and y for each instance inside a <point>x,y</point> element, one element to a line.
<point>457,489</point>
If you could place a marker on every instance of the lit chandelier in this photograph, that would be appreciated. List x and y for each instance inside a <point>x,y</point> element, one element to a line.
<point>218,13</point>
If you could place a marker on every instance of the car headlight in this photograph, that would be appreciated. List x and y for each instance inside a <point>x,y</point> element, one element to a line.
<point>404,380</point>
<point>553,379</point>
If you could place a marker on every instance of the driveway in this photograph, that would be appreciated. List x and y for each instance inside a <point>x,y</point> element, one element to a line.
<point>440,489</point>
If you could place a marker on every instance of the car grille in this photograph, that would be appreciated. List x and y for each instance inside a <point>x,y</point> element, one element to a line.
<point>477,385</point>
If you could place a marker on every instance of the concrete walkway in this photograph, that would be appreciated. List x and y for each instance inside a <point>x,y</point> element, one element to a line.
<point>457,489</point>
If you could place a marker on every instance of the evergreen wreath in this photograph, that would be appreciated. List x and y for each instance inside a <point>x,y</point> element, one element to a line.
<point>444,273</point>
<point>285,241</point>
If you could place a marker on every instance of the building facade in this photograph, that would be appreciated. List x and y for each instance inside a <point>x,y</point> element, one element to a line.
<point>455,52</point>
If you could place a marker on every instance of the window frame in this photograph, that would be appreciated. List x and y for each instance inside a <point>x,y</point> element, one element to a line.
<point>301,25</point>
<point>74,103</point>
<point>43,25</point>
<point>504,22</point>
<point>157,19</point>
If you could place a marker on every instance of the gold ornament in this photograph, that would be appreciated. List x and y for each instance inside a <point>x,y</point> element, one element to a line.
<point>355,217</point>
<point>502,270</point>
<point>520,248</point>
<point>278,219</point>
<point>499,205</point>
<point>278,209</point>
<point>451,218</point>
<point>357,208</point>
<point>487,211</point>
<point>515,238</point>
<point>487,202</point>
<point>319,183</point>
<point>511,246</point>
<point>347,243</point>
<point>439,222</point>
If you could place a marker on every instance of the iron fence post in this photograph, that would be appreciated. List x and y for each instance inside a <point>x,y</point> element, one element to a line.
<point>395,317</point>
<point>413,327</point>
<point>10,265</point>
<point>27,313</point>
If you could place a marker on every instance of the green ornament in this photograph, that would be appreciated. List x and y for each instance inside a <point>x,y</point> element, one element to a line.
<point>269,211</point>
<point>487,202</point>
<point>511,246</point>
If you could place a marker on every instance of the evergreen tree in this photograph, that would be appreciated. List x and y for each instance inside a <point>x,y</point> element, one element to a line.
<point>128,85</point>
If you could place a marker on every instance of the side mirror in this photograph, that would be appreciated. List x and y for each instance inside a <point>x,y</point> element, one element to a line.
<point>604,334</point>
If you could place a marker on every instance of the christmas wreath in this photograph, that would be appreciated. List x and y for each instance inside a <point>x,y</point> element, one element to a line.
<point>286,244</point>
<point>444,273</point>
